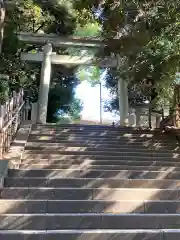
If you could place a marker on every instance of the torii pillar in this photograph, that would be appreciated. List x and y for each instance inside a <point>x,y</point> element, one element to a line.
<point>123,102</point>
<point>123,97</point>
<point>44,84</point>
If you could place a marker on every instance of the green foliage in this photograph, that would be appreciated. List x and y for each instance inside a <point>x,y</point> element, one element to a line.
<point>33,16</point>
<point>147,34</point>
<point>75,109</point>
<point>91,73</point>
<point>23,16</point>
<point>4,90</point>
<point>59,98</point>
<point>61,93</point>
<point>91,29</point>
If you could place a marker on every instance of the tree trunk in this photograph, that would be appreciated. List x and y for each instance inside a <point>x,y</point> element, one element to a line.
<point>2,18</point>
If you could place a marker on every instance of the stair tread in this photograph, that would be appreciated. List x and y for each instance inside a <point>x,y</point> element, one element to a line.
<point>98,149</point>
<point>15,206</point>
<point>92,221</point>
<point>108,147</point>
<point>90,193</point>
<point>130,234</point>
<point>91,182</point>
<point>49,166</point>
<point>102,156</point>
<point>138,162</point>
<point>87,173</point>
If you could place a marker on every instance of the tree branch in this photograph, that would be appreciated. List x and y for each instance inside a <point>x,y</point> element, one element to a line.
<point>41,26</point>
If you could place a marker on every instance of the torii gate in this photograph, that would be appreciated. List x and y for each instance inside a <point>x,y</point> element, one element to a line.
<point>47,57</point>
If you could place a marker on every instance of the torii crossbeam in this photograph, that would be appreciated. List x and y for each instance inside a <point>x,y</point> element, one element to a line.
<point>61,41</point>
<point>71,60</point>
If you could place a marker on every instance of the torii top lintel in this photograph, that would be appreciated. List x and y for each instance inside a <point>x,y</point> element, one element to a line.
<point>59,41</point>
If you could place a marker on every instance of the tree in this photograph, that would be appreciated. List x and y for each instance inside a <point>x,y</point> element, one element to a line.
<point>146,34</point>
<point>75,109</point>
<point>2,18</point>
<point>61,93</point>
<point>32,16</point>
<point>24,16</point>
<point>90,73</point>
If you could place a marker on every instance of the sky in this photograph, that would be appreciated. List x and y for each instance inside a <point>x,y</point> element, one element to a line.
<point>91,100</point>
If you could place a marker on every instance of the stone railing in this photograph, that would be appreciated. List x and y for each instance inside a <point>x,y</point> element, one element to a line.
<point>12,113</point>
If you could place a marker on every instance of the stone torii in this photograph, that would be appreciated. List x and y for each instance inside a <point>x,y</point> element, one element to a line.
<point>47,57</point>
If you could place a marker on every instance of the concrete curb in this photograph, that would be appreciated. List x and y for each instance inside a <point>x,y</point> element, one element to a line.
<point>13,158</point>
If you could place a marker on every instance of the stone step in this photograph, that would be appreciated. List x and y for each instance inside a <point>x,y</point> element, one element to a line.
<point>88,234</point>
<point>116,207</point>
<point>94,152</point>
<point>84,235</point>
<point>86,141</point>
<point>112,131</point>
<point>110,143</point>
<point>99,136</point>
<point>94,157</point>
<point>95,132</point>
<point>98,132</point>
<point>83,173</point>
<point>97,148</point>
<point>91,162</point>
<point>99,154</point>
<point>73,157</point>
<point>15,206</point>
<point>156,147</point>
<point>99,128</point>
<point>108,234</point>
<point>95,126</point>
<point>47,193</point>
<point>91,183</point>
<point>110,194</point>
<point>117,139</point>
<point>90,150</point>
<point>88,166</point>
<point>105,144</point>
<point>88,221</point>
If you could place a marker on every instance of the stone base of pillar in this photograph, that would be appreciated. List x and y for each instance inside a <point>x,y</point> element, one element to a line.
<point>141,116</point>
<point>158,121</point>
<point>132,118</point>
<point>138,118</point>
<point>34,112</point>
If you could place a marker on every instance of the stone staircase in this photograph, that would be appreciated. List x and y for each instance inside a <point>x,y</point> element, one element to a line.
<point>78,182</point>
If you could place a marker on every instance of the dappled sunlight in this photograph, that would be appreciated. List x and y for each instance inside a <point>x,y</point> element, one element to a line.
<point>146,135</point>
<point>126,194</point>
<point>96,179</point>
<point>8,205</point>
<point>87,145</point>
<point>86,172</point>
<point>75,149</point>
<point>88,165</point>
<point>125,207</point>
<point>130,135</point>
<point>42,138</point>
<point>14,223</point>
<point>175,155</point>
